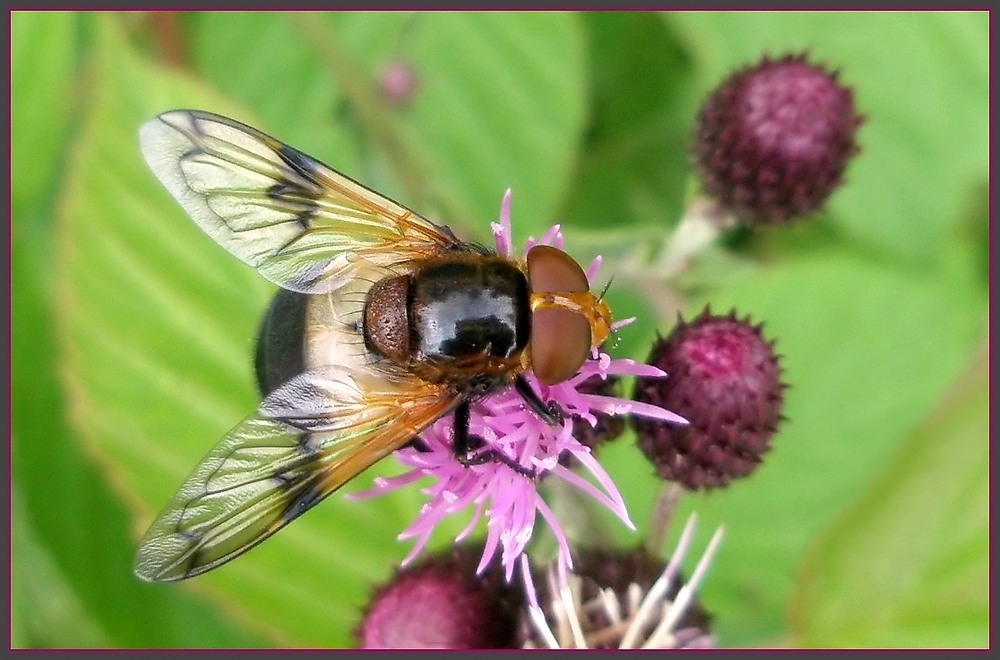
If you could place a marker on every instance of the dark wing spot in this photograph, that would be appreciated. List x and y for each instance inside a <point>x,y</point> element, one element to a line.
<point>283,189</point>
<point>298,197</point>
<point>298,161</point>
<point>301,503</point>
<point>307,446</point>
<point>299,469</point>
<point>285,480</point>
<point>195,151</point>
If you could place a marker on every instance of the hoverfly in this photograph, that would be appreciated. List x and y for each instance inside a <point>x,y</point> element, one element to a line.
<point>383,323</point>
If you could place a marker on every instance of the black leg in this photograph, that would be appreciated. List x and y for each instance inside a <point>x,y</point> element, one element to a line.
<point>550,412</point>
<point>461,442</point>
<point>416,442</point>
<point>465,443</point>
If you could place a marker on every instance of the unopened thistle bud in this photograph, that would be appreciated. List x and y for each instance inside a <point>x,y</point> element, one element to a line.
<point>441,603</point>
<point>724,377</point>
<point>772,141</point>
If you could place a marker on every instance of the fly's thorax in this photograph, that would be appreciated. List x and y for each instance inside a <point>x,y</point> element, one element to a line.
<point>386,318</point>
<point>460,318</point>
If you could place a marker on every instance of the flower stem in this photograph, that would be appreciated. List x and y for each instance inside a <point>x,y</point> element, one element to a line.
<point>655,275</point>
<point>700,226</point>
<point>659,521</point>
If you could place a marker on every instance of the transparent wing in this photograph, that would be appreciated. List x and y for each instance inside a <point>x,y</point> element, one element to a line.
<point>306,440</point>
<point>300,223</point>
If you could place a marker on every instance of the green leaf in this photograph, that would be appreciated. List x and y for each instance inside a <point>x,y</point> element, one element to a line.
<point>43,49</point>
<point>907,565</point>
<point>45,613</point>
<point>499,104</point>
<point>921,79</point>
<point>516,122</point>
<point>280,78</point>
<point>634,165</point>
<point>77,535</point>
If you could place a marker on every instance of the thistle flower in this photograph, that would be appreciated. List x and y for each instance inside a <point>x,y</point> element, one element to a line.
<point>509,500</point>
<point>442,603</point>
<point>606,427</point>
<point>618,600</point>
<point>773,140</point>
<point>725,379</point>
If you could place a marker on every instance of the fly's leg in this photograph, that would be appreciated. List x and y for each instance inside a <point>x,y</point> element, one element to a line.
<point>551,413</point>
<point>465,443</point>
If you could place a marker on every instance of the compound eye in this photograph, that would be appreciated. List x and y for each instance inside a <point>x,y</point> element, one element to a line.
<point>560,338</point>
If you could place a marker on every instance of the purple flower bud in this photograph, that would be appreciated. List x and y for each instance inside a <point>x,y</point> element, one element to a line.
<point>772,141</point>
<point>724,378</point>
<point>443,604</point>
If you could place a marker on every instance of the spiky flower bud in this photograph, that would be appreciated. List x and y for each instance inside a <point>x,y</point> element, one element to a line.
<point>441,603</point>
<point>724,377</point>
<point>772,141</point>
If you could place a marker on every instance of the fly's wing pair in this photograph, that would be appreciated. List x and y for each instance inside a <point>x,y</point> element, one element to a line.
<point>306,228</point>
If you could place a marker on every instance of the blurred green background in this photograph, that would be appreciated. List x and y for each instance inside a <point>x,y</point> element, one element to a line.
<point>867,525</point>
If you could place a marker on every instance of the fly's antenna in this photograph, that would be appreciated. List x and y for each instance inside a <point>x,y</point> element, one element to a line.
<point>616,325</point>
<point>605,289</point>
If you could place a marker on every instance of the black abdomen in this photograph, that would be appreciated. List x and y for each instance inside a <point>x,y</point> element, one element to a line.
<point>280,351</point>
